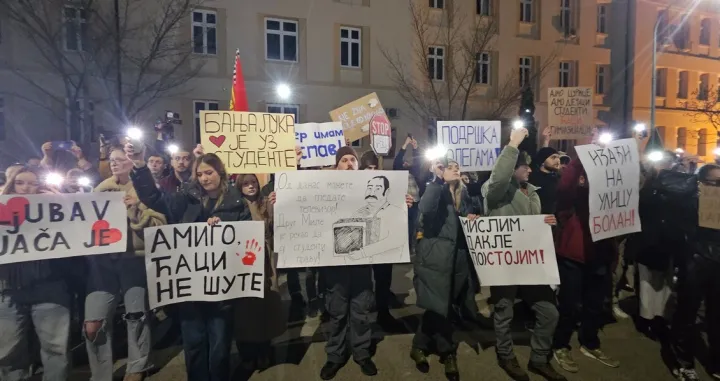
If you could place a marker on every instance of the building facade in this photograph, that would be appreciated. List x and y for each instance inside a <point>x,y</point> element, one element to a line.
<point>330,52</point>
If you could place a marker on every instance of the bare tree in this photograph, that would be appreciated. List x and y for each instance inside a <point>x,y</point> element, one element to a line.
<point>464,36</point>
<point>705,107</point>
<point>123,56</point>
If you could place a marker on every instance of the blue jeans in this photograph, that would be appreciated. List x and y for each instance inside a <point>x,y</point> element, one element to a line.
<point>207,335</point>
<point>112,277</point>
<point>42,310</point>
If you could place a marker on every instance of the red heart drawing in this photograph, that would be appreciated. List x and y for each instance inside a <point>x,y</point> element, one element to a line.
<point>101,230</point>
<point>14,206</point>
<point>217,140</point>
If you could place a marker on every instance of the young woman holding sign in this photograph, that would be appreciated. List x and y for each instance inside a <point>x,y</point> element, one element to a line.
<point>34,300</point>
<point>112,276</point>
<point>206,326</point>
<point>442,266</point>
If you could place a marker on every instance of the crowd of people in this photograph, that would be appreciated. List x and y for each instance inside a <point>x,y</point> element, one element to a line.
<point>673,254</point>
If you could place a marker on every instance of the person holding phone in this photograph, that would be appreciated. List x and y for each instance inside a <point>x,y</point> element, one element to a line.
<point>442,266</point>
<point>206,326</point>
<point>508,193</point>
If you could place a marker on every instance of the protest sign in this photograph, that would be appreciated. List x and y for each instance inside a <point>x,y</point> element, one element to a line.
<point>338,218</point>
<point>319,143</point>
<point>570,112</point>
<point>508,251</point>
<point>203,263</point>
<point>250,142</point>
<point>709,207</point>
<point>43,226</point>
<point>475,145</point>
<point>613,173</point>
<point>356,115</point>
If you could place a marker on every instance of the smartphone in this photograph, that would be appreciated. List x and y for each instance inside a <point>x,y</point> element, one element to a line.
<point>62,145</point>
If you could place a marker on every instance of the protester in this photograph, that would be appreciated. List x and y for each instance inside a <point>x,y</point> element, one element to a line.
<point>156,164</point>
<point>382,273</point>
<point>508,193</point>
<point>33,162</point>
<point>181,163</point>
<point>63,161</point>
<point>585,269</point>
<point>655,248</point>
<point>544,177</point>
<point>34,302</point>
<point>442,267</point>
<point>698,281</point>
<point>257,321</point>
<point>349,300</point>
<point>206,326</point>
<point>120,275</point>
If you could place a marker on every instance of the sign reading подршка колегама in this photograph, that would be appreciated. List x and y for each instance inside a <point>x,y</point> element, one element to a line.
<point>474,145</point>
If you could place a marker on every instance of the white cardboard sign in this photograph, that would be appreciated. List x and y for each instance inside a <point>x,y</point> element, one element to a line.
<point>475,145</point>
<point>202,263</point>
<point>43,226</point>
<point>508,251</point>
<point>339,218</point>
<point>614,178</point>
<point>319,143</point>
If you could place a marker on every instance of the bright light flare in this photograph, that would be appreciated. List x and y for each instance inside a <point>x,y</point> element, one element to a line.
<point>134,133</point>
<point>54,179</point>
<point>655,156</point>
<point>435,153</point>
<point>605,138</point>
<point>173,149</point>
<point>640,127</point>
<point>517,124</point>
<point>84,181</point>
<point>283,90</point>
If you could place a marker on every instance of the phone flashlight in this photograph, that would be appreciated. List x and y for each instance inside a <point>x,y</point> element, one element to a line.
<point>83,181</point>
<point>640,127</point>
<point>435,153</point>
<point>518,124</point>
<point>54,179</point>
<point>605,138</point>
<point>173,149</point>
<point>134,133</point>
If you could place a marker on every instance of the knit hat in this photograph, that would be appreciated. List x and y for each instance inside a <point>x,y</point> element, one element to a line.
<point>522,160</point>
<point>369,158</point>
<point>542,155</point>
<point>344,151</point>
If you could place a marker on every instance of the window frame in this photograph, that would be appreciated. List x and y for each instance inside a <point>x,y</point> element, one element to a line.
<point>78,21</point>
<point>525,70</point>
<point>436,58</point>
<point>601,79</point>
<point>483,7</point>
<point>350,41</point>
<point>196,114</point>
<point>437,4</point>
<point>661,82</point>
<point>703,87</point>
<point>568,71</point>
<point>705,32</point>
<point>527,13</point>
<point>282,107</point>
<point>682,92</point>
<point>481,63</point>
<point>602,12</point>
<point>566,16</point>
<point>205,27</point>
<point>282,33</point>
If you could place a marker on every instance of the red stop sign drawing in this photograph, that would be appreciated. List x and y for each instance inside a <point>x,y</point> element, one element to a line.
<point>380,134</point>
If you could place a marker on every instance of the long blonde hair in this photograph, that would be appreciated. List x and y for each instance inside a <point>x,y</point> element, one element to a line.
<point>217,164</point>
<point>10,184</point>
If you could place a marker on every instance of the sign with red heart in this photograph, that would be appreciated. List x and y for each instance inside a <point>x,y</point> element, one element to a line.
<point>36,227</point>
<point>203,263</point>
<point>250,142</point>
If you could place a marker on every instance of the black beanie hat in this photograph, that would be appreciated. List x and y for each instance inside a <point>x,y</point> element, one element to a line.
<point>369,158</point>
<point>542,155</point>
<point>344,151</point>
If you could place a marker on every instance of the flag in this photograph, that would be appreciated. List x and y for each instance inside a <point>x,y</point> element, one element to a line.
<point>238,95</point>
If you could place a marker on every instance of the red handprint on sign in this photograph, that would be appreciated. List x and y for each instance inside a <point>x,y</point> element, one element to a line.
<point>252,249</point>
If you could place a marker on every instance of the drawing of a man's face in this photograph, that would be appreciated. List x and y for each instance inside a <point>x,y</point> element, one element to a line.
<point>376,191</point>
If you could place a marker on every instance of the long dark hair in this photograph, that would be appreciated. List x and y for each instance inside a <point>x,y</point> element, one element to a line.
<point>261,201</point>
<point>217,164</point>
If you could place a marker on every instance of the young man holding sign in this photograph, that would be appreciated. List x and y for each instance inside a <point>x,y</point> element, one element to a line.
<point>508,193</point>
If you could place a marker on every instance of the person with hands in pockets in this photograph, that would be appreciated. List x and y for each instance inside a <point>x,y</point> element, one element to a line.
<point>508,193</point>
<point>206,326</point>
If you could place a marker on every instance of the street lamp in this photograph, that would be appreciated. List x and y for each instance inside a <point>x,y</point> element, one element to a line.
<point>283,91</point>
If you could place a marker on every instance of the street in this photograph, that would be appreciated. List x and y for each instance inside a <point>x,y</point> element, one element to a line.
<point>299,354</point>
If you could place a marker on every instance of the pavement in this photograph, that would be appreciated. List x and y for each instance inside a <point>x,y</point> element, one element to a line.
<point>299,353</point>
